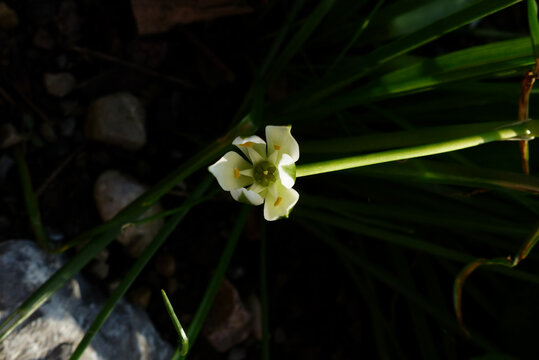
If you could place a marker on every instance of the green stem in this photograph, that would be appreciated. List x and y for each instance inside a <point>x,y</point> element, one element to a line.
<point>527,129</point>
<point>30,200</point>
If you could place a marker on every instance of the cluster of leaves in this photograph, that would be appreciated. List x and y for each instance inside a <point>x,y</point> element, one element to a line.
<point>367,76</point>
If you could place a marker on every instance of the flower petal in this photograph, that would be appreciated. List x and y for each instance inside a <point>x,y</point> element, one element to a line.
<point>280,206</point>
<point>280,139</point>
<point>287,171</point>
<point>253,147</point>
<point>227,171</point>
<point>247,196</point>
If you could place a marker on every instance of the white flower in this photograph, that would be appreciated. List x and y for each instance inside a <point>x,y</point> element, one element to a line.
<point>268,177</point>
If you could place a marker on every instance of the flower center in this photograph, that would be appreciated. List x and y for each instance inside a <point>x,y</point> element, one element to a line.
<point>264,173</point>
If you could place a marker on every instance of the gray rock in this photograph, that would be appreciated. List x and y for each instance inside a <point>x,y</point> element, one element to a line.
<point>113,191</point>
<point>55,330</point>
<point>117,119</point>
<point>60,84</point>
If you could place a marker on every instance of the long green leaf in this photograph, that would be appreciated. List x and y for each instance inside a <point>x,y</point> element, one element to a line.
<point>424,75</point>
<point>297,42</point>
<point>392,140</point>
<point>452,174</point>
<point>534,26</point>
<point>383,54</point>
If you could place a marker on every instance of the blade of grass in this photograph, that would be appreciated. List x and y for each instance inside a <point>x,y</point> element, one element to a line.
<point>533,23</point>
<point>137,267</point>
<point>207,300</point>
<point>424,75</point>
<point>426,216</point>
<point>298,40</point>
<point>365,65</point>
<point>184,340</point>
<point>384,235</point>
<point>365,287</point>
<point>283,31</point>
<point>128,214</point>
<point>451,174</point>
<point>407,241</point>
<point>356,36</point>
<point>383,141</point>
<point>30,200</point>
<point>423,333</point>
<point>382,275</point>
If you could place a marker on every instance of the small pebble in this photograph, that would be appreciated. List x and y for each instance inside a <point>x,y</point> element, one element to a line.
<point>67,127</point>
<point>237,353</point>
<point>100,269</point>
<point>165,265</point>
<point>8,17</point>
<point>255,308</point>
<point>229,322</point>
<point>59,84</point>
<point>172,286</point>
<point>140,297</point>
<point>43,39</point>
<point>9,136</point>
<point>117,119</point>
<point>113,191</point>
<point>6,163</point>
<point>47,132</point>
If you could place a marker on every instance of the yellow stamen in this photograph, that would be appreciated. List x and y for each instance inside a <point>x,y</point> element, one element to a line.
<point>278,201</point>
<point>277,147</point>
<point>236,173</point>
<point>248,144</point>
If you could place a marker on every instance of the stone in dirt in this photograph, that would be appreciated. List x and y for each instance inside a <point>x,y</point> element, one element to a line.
<point>113,191</point>
<point>55,330</point>
<point>60,84</point>
<point>9,136</point>
<point>158,16</point>
<point>229,322</point>
<point>117,119</point>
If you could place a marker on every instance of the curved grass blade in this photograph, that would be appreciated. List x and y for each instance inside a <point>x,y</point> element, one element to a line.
<point>207,300</point>
<point>128,214</point>
<point>508,262</point>
<point>184,340</point>
<point>135,270</point>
